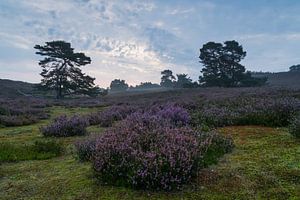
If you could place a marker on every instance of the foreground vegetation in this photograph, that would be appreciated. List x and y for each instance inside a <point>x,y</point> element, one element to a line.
<point>265,164</point>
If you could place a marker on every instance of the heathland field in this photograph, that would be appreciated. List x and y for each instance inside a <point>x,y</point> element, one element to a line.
<point>238,143</point>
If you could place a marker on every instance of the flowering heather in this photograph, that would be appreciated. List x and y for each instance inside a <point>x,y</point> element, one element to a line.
<point>19,112</point>
<point>175,114</point>
<point>247,111</point>
<point>112,114</point>
<point>294,127</point>
<point>85,148</point>
<point>64,126</point>
<point>149,150</point>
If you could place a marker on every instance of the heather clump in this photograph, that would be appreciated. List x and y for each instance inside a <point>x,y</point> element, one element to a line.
<point>64,126</point>
<point>85,148</point>
<point>151,149</point>
<point>107,117</point>
<point>247,111</point>
<point>19,112</point>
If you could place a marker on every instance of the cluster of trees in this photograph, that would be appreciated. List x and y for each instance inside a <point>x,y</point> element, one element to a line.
<point>222,66</point>
<point>168,80</point>
<point>61,70</point>
<point>182,81</point>
<point>295,68</point>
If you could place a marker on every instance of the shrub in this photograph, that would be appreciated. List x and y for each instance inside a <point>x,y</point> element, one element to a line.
<point>112,114</point>
<point>175,114</point>
<point>148,151</point>
<point>85,148</point>
<point>39,150</point>
<point>17,120</point>
<point>294,127</point>
<point>247,111</point>
<point>65,127</point>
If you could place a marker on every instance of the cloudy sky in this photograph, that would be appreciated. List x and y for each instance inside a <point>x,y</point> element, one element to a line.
<point>135,39</point>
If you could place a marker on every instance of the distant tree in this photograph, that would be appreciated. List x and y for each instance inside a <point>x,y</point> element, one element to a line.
<point>118,85</point>
<point>61,70</point>
<point>183,81</point>
<point>103,92</point>
<point>222,64</point>
<point>167,79</point>
<point>295,68</point>
<point>147,85</point>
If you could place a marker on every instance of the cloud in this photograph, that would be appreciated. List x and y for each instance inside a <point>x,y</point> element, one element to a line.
<point>136,39</point>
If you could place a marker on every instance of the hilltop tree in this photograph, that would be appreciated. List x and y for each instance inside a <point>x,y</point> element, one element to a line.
<point>167,78</point>
<point>61,70</point>
<point>118,85</point>
<point>295,68</point>
<point>222,64</point>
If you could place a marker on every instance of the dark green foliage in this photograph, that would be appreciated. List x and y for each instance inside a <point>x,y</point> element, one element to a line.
<point>183,81</point>
<point>146,85</point>
<point>219,146</point>
<point>294,127</point>
<point>118,85</point>
<point>167,79</point>
<point>222,66</point>
<point>39,150</point>
<point>61,71</point>
<point>295,68</point>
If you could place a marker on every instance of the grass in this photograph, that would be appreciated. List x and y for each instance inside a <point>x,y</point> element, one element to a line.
<point>39,150</point>
<point>265,164</point>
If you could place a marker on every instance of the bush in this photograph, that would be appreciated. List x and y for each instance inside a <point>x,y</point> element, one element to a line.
<point>247,111</point>
<point>294,127</point>
<point>39,150</point>
<point>148,150</point>
<point>17,120</point>
<point>112,114</point>
<point>85,148</point>
<point>175,114</point>
<point>65,127</point>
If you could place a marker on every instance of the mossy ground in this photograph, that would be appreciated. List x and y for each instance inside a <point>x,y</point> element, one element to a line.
<point>265,164</point>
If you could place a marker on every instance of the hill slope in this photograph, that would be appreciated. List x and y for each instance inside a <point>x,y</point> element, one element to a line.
<point>282,79</point>
<point>10,88</point>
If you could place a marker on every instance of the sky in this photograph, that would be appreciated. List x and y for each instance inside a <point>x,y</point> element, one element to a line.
<point>135,39</point>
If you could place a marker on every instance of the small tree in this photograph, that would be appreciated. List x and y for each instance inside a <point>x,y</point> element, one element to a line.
<point>118,85</point>
<point>167,78</point>
<point>61,70</point>
<point>183,81</point>
<point>147,85</point>
<point>295,68</point>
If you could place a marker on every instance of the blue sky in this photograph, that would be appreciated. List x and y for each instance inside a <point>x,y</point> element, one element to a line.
<point>135,39</point>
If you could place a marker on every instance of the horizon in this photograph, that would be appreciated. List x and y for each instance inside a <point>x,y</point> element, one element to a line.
<point>136,40</point>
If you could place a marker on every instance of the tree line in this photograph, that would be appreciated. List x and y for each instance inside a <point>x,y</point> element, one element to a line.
<point>61,71</point>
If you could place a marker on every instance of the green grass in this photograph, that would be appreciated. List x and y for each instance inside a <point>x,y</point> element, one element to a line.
<point>39,150</point>
<point>265,164</point>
